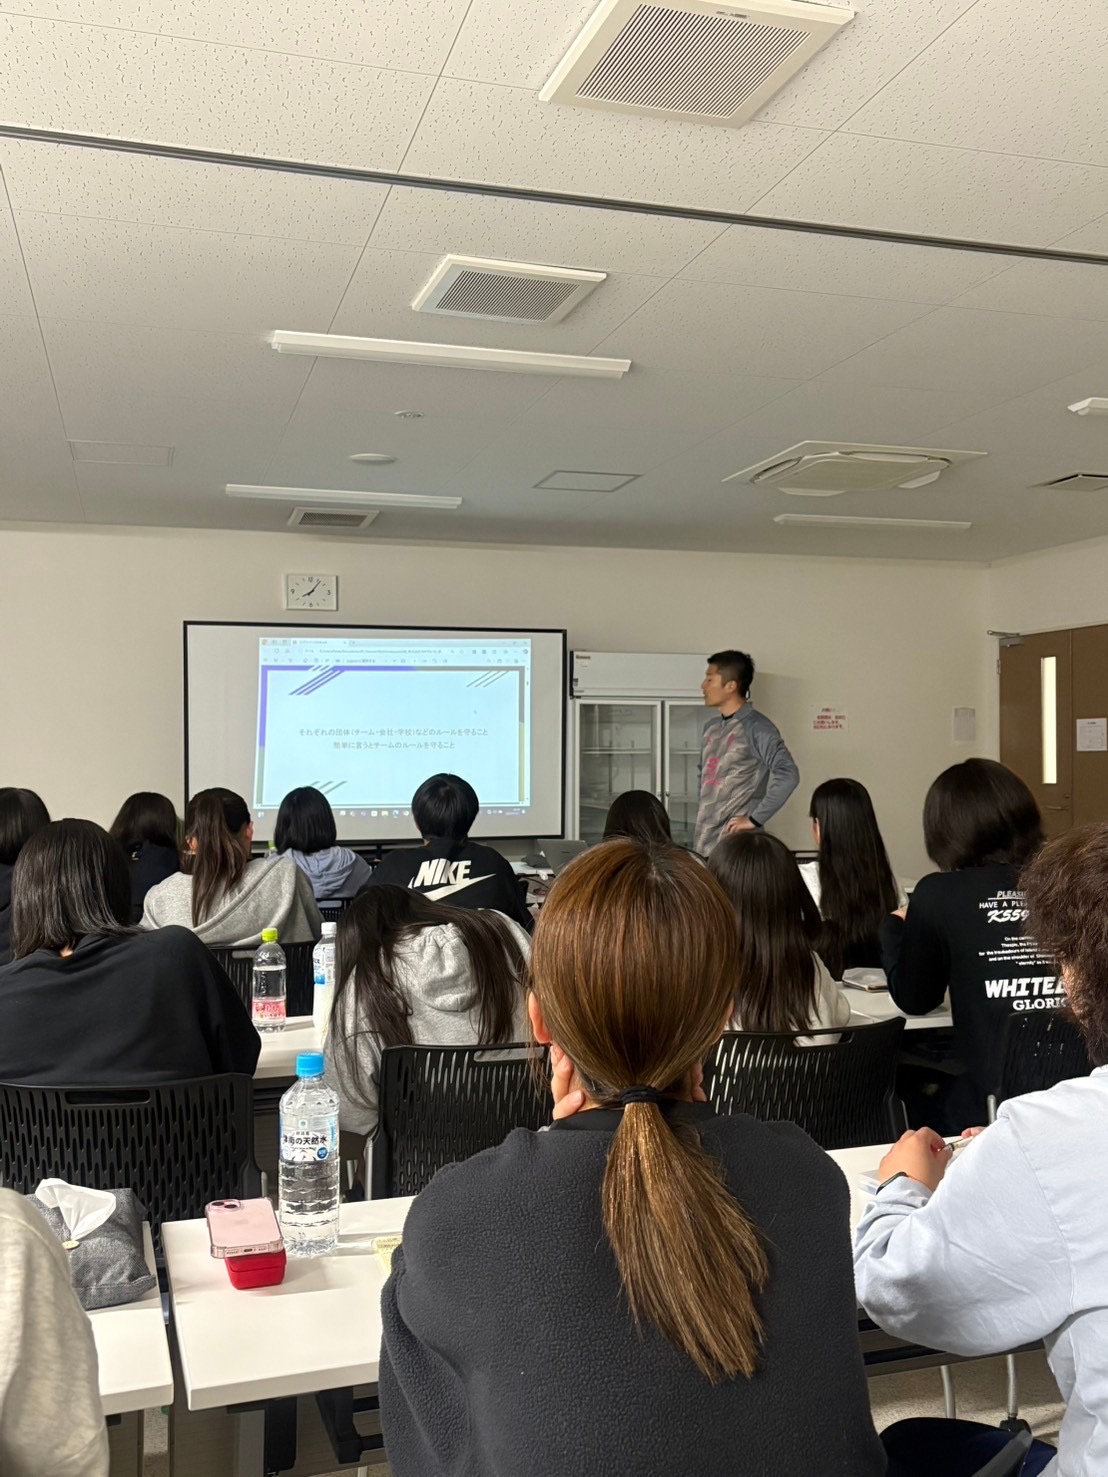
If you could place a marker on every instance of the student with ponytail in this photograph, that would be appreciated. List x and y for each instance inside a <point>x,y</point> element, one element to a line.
<point>221,894</point>
<point>646,1287</point>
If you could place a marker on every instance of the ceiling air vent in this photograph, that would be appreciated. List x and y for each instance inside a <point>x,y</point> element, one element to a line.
<point>828,468</point>
<point>702,60</point>
<point>323,518</point>
<point>504,292</point>
<point>1080,481</point>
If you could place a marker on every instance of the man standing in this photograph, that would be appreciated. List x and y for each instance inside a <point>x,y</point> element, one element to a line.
<point>746,772</point>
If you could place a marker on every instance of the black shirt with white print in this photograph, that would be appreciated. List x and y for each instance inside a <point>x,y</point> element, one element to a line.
<point>965,932</point>
<point>463,874</point>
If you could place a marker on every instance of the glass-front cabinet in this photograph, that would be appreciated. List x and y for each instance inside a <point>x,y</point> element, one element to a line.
<point>683,725</point>
<point>618,748</point>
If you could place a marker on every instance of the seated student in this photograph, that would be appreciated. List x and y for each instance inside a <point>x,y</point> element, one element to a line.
<point>221,894</point>
<point>1008,1245</point>
<point>51,1420</point>
<point>639,815</point>
<point>89,999</point>
<point>22,813</point>
<point>413,972</point>
<point>450,868</point>
<point>781,984</point>
<point>645,1288</point>
<point>851,883</point>
<point>147,829</point>
<point>305,831</point>
<point>964,928</point>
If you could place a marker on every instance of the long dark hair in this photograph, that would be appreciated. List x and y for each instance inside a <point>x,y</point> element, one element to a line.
<point>22,813</point>
<point>216,850</point>
<point>856,882</point>
<point>305,822</point>
<point>146,816</point>
<point>639,815</point>
<point>71,879</point>
<point>775,988</point>
<point>978,814</point>
<point>369,934</point>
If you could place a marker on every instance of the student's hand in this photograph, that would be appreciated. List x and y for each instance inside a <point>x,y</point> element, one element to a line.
<point>921,1154</point>
<point>739,823</point>
<point>970,1133</point>
<point>566,1101</point>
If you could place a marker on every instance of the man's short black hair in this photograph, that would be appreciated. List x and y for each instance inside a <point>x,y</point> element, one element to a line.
<point>734,666</point>
<point>444,808</point>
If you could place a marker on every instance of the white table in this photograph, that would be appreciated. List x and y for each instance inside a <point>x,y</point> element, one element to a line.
<point>133,1351</point>
<point>878,1005</point>
<point>279,1048</point>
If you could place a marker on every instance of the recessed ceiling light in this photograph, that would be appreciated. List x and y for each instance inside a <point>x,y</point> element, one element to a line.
<point>409,415</point>
<point>341,497</point>
<point>121,453</point>
<point>375,458</point>
<point>562,481</point>
<point>937,524</point>
<point>1094,405</point>
<point>445,356</point>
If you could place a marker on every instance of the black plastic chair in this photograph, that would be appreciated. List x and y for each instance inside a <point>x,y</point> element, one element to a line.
<point>440,1104</point>
<point>1038,1049</point>
<point>842,1091</point>
<point>299,977</point>
<point>332,909</point>
<point>178,1145</point>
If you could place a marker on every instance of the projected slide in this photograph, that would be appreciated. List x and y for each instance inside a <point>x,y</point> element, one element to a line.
<point>367,719</point>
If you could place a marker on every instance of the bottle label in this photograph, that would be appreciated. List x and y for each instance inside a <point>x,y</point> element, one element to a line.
<point>267,1009</point>
<point>306,1140</point>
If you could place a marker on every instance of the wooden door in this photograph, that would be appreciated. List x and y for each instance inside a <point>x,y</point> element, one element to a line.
<point>1036,721</point>
<point>1090,701</point>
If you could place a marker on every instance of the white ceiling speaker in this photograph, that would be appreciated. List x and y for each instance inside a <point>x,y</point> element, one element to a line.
<point>341,497</point>
<point>706,61</point>
<point>504,292</point>
<point>444,356</point>
<point>829,468</point>
<point>937,525</point>
<point>317,518</point>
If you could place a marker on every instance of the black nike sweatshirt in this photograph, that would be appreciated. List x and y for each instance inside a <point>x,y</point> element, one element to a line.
<point>463,874</point>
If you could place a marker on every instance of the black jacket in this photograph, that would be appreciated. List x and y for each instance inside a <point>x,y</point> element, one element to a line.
<point>508,1349</point>
<point>464,874</point>
<point>150,864</point>
<point>142,1008</point>
<point>6,870</point>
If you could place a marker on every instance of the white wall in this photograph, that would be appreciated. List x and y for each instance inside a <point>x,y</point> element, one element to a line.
<point>90,644</point>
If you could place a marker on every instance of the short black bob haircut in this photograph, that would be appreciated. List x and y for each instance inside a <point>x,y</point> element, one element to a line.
<point>734,666</point>
<point>979,814</point>
<point>305,822</point>
<point>71,879</point>
<point>146,816</point>
<point>444,808</point>
<point>22,813</point>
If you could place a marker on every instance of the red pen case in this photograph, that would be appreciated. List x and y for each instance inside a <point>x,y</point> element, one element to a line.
<point>261,1269</point>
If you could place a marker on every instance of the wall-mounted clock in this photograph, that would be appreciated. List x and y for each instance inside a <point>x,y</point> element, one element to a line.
<point>311,592</point>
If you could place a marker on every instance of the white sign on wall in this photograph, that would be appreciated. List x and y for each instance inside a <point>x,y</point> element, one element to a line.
<point>1092,735</point>
<point>830,719</point>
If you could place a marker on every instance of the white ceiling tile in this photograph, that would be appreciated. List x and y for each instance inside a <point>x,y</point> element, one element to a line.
<point>533,231</point>
<point>15,290</point>
<point>505,135</point>
<point>715,327</point>
<point>1058,289</point>
<point>410,35</point>
<point>116,272</point>
<point>679,402</point>
<point>1016,79</point>
<point>867,54</point>
<point>810,262</point>
<point>378,303</point>
<point>1092,237</point>
<point>84,79</point>
<point>515,42</point>
<point>919,188</point>
<point>59,180</point>
<point>38,480</point>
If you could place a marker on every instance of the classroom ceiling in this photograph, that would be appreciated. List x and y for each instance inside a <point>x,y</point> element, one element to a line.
<point>136,289</point>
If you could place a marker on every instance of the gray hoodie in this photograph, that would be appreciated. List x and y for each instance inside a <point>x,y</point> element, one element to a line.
<point>270,894</point>
<point>335,872</point>
<point>432,970</point>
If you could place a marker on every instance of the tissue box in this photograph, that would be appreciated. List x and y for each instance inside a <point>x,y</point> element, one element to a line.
<point>263,1269</point>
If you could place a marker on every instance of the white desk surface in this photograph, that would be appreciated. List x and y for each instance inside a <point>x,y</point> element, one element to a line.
<point>133,1351</point>
<point>279,1048</point>
<point>877,1005</point>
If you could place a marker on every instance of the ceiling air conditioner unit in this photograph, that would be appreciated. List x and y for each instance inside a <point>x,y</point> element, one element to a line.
<point>504,292</point>
<point>829,468</point>
<point>330,518</point>
<point>701,60</point>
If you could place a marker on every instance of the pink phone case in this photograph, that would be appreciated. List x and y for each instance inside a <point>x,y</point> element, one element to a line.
<point>242,1227</point>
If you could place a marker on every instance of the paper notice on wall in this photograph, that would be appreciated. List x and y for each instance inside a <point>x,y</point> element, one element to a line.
<point>831,719</point>
<point>1092,735</point>
<point>963,725</point>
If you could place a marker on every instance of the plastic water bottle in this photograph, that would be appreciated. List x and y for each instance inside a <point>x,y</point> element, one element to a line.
<point>268,992</point>
<point>309,1191</point>
<point>323,970</point>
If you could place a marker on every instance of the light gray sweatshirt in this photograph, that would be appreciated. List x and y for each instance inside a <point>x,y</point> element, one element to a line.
<point>1011,1248</point>
<point>745,769</point>
<point>432,970</point>
<point>272,893</point>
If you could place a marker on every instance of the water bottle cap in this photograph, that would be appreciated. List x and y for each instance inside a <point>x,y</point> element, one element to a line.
<point>329,928</point>
<point>309,1064</point>
<point>269,935</point>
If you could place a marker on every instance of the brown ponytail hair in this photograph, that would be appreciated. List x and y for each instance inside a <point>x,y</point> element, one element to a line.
<point>215,853</point>
<point>634,963</point>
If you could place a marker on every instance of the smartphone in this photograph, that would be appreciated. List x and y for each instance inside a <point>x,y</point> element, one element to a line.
<point>242,1227</point>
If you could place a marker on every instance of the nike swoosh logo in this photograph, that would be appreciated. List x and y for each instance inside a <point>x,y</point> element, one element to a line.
<point>436,893</point>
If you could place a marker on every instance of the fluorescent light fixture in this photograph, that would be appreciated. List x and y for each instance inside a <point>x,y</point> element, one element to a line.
<point>938,524</point>
<point>445,356</point>
<point>341,497</point>
<point>371,458</point>
<point>1094,405</point>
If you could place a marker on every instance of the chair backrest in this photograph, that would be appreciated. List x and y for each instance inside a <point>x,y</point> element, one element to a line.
<point>440,1104</point>
<point>841,1091</point>
<point>1039,1048</point>
<point>332,909</point>
<point>299,978</point>
<point>177,1145</point>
